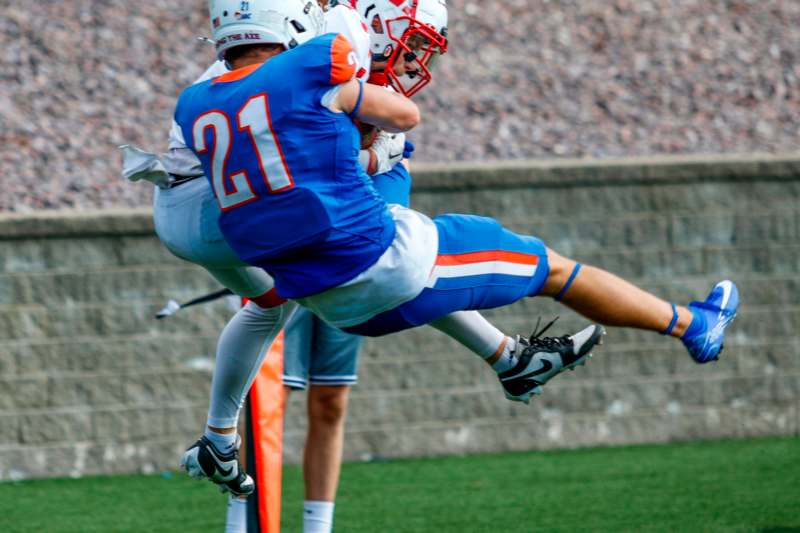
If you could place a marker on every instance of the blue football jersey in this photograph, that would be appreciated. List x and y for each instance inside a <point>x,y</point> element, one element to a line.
<point>285,170</point>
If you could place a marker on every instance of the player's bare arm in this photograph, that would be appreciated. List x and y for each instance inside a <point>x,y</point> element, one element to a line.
<point>375,105</point>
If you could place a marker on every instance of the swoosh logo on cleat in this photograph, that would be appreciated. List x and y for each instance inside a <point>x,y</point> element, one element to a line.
<point>714,335</point>
<point>546,367</point>
<point>218,465</point>
<point>727,286</point>
<point>719,328</point>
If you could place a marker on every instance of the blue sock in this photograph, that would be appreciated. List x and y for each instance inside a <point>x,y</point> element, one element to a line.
<point>697,326</point>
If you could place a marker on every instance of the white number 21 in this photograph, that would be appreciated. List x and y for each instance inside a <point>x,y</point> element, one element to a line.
<point>236,189</point>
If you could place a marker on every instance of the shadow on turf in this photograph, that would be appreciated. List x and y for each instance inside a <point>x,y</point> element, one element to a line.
<point>780,529</point>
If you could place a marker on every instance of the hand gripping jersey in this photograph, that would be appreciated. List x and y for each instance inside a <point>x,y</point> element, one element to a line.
<point>284,168</point>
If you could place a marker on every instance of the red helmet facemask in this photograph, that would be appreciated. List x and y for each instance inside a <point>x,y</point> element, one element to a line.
<point>418,47</point>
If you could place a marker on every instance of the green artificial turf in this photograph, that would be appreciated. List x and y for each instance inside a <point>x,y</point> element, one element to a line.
<point>736,486</point>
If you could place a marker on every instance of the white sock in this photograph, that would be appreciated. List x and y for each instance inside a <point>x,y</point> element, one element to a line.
<point>507,359</point>
<point>223,441</point>
<point>317,516</point>
<point>472,330</point>
<point>236,519</point>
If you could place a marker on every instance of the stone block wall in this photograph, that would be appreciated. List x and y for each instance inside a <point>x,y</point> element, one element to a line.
<point>90,383</point>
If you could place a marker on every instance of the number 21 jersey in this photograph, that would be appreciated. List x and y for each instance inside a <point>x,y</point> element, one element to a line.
<point>285,170</point>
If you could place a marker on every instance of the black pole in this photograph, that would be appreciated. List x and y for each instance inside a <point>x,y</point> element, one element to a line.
<point>253,520</point>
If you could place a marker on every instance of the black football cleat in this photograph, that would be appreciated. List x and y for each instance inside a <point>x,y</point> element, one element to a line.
<point>540,359</point>
<point>204,460</point>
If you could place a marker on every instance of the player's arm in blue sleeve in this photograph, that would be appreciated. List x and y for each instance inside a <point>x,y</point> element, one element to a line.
<point>330,60</point>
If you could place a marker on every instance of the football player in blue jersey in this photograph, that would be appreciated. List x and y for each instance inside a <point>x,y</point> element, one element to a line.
<point>277,142</point>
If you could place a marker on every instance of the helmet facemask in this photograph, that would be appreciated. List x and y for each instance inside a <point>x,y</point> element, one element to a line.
<point>419,45</point>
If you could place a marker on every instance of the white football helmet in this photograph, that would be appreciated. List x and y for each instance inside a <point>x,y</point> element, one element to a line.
<point>412,31</point>
<point>241,22</point>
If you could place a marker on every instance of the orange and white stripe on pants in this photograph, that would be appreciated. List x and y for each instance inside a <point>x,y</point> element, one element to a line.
<point>482,263</point>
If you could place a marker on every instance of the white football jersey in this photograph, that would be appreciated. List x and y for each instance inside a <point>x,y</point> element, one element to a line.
<point>399,275</point>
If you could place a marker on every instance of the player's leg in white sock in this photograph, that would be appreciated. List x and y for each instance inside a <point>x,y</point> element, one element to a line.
<point>317,516</point>
<point>472,330</point>
<point>322,458</point>
<point>236,517</point>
